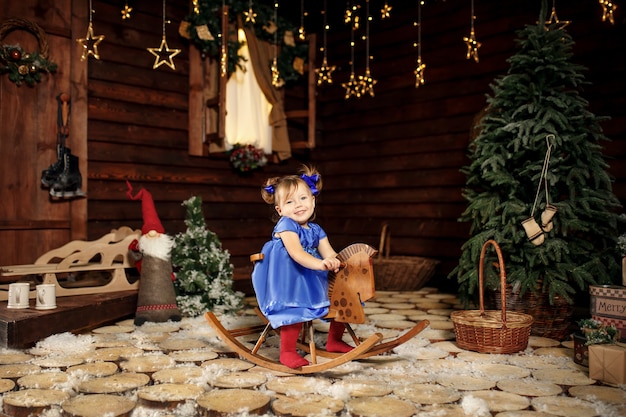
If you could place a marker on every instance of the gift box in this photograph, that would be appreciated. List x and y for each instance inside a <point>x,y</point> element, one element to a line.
<point>608,305</point>
<point>607,363</point>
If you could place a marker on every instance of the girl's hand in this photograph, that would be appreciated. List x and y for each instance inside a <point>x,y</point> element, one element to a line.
<point>331,264</point>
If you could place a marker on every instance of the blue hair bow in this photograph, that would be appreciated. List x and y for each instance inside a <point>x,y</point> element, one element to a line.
<point>311,181</point>
<point>269,189</point>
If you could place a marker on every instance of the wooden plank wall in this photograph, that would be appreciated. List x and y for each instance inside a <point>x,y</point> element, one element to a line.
<point>31,223</point>
<point>138,131</point>
<point>396,157</point>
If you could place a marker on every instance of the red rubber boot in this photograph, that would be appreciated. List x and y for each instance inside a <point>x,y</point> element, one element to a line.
<point>288,339</point>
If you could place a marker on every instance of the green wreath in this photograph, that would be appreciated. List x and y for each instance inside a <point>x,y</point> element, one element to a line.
<point>24,66</point>
<point>202,29</point>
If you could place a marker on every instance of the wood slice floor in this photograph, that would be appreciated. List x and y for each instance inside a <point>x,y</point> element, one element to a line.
<point>182,369</point>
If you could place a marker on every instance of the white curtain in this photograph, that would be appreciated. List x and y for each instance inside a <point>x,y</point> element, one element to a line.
<point>247,109</point>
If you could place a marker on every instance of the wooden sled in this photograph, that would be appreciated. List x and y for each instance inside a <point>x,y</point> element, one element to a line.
<point>348,290</point>
<point>108,254</point>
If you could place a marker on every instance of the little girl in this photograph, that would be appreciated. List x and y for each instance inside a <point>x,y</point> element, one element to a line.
<point>291,281</point>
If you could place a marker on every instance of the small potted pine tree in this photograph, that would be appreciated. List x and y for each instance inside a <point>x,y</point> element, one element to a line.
<point>204,274</point>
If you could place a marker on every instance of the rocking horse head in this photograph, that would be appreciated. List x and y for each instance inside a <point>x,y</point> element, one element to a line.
<point>353,284</point>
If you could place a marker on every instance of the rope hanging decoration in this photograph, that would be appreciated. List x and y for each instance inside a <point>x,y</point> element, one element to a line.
<point>24,66</point>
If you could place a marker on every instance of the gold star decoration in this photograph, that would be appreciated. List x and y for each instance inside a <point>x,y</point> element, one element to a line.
<point>367,83</point>
<point>324,72</point>
<point>608,7</point>
<point>163,55</point>
<point>419,73</point>
<point>384,12</point>
<point>250,15</point>
<point>352,87</point>
<point>472,46</point>
<point>126,11</point>
<point>554,19</point>
<point>90,44</point>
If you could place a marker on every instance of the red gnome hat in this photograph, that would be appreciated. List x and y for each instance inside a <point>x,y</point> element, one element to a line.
<point>150,217</point>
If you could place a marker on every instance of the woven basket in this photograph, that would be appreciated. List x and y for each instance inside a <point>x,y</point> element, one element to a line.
<point>491,331</point>
<point>400,273</point>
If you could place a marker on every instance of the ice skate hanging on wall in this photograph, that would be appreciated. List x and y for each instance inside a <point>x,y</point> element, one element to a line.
<point>63,177</point>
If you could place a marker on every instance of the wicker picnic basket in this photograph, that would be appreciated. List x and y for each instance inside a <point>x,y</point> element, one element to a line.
<point>400,273</point>
<point>491,331</point>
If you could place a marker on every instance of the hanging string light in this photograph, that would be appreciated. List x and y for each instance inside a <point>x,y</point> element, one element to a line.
<point>324,72</point>
<point>419,70</point>
<point>472,43</point>
<point>351,15</point>
<point>301,32</point>
<point>554,19</point>
<point>352,86</point>
<point>163,54</point>
<point>126,11</point>
<point>385,11</point>
<point>366,82</point>
<point>250,14</point>
<point>90,42</point>
<point>196,6</point>
<point>223,50</point>
<point>276,80</point>
<point>608,7</point>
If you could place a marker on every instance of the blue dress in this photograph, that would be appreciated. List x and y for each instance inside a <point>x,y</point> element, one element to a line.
<point>286,291</point>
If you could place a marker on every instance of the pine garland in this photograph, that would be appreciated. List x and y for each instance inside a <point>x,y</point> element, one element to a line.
<point>291,54</point>
<point>204,274</point>
<point>540,96</point>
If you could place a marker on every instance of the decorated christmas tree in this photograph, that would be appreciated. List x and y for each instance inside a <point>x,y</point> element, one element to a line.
<point>537,182</point>
<point>204,274</point>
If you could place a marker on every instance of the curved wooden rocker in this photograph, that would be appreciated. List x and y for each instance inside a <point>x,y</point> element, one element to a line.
<point>348,289</point>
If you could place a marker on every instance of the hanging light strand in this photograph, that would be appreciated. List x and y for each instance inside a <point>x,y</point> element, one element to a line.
<point>223,51</point>
<point>472,43</point>
<point>276,80</point>
<point>419,69</point>
<point>90,42</point>
<point>301,32</point>
<point>324,72</point>
<point>352,86</point>
<point>250,14</point>
<point>366,82</point>
<point>163,54</point>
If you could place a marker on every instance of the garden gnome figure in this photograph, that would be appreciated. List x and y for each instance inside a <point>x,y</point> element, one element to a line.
<point>157,298</point>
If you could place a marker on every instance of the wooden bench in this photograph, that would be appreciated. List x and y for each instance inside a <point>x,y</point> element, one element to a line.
<point>106,254</point>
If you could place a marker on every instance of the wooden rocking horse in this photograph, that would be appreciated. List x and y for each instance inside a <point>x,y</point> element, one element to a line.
<point>348,289</point>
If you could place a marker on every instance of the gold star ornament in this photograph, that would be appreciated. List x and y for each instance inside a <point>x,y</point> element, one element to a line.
<point>90,44</point>
<point>367,83</point>
<point>126,12</point>
<point>250,15</point>
<point>352,87</point>
<point>163,55</point>
<point>554,20</point>
<point>472,46</point>
<point>324,73</point>
<point>385,11</point>
<point>608,7</point>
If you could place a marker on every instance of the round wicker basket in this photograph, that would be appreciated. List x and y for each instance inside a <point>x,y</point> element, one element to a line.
<point>491,331</point>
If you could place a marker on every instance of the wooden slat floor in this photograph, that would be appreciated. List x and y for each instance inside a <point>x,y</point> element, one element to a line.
<point>179,369</point>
